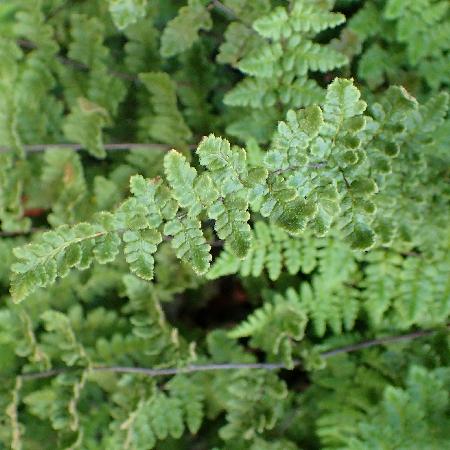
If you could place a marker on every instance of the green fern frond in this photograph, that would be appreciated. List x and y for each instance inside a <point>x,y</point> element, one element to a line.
<point>260,393</point>
<point>272,250</point>
<point>182,31</point>
<point>274,327</point>
<point>127,12</point>
<point>166,123</point>
<point>39,264</point>
<point>85,124</point>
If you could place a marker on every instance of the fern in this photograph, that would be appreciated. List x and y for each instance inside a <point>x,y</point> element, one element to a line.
<point>11,412</point>
<point>127,12</point>
<point>63,174</point>
<point>182,31</point>
<point>314,174</point>
<point>277,64</point>
<point>386,27</point>
<point>11,170</point>
<point>262,261</point>
<point>97,85</point>
<point>404,407</point>
<point>272,250</point>
<point>85,124</point>
<point>163,346</point>
<point>166,120</point>
<point>318,301</point>
<point>191,398</point>
<point>40,263</point>
<point>259,394</point>
<point>274,327</point>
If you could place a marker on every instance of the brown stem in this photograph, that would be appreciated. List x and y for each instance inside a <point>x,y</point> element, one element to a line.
<point>233,366</point>
<point>108,147</point>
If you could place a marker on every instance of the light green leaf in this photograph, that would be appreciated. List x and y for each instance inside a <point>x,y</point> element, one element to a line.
<point>126,12</point>
<point>190,243</point>
<point>84,125</point>
<point>182,31</point>
<point>139,249</point>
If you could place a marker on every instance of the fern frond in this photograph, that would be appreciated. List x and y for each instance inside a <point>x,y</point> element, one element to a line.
<point>12,413</point>
<point>191,398</point>
<point>318,172</point>
<point>126,12</point>
<point>274,327</point>
<point>64,176</point>
<point>84,125</point>
<point>192,192</point>
<point>139,249</point>
<point>39,264</point>
<point>166,124</point>
<point>260,393</point>
<point>272,250</point>
<point>162,345</point>
<point>189,242</point>
<point>278,61</point>
<point>239,41</point>
<point>182,31</point>
<point>424,396</point>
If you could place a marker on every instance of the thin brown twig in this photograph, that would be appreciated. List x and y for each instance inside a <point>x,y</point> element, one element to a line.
<point>222,8</point>
<point>108,147</point>
<point>379,341</point>
<point>233,366</point>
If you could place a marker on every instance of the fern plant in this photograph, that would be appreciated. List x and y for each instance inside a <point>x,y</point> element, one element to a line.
<point>224,224</point>
<point>315,174</point>
<point>276,63</point>
<point>384,31</point>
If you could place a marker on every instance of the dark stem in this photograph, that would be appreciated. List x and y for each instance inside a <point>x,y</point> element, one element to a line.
<point>344,177</point>
<point>233,366</point>
<point>228,12</point>
<point>107,147</point>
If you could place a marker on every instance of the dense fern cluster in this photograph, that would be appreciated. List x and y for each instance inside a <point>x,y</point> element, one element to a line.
<point>205,205</point>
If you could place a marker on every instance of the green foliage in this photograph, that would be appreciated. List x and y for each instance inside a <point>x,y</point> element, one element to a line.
<point>165,124</point>
<point>315,174</point>
<point>272,250</point>
<point>278,61</point>
<point>274,327</point>
<point>127,12</point>
<point>84,126</point>
<point>58,251</point>
<point>382,393</point>
<point>423,401</point>
<point>63,176</point>
<point>182,31</point>
<point>234,280</point>
<point>390,31</point>
<point>253,404</point>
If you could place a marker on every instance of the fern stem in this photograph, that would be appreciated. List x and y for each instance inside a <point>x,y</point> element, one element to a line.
<point>380,341</point>
<point>108,147</point>
<point>235,366</point>
<point>228,12</point>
